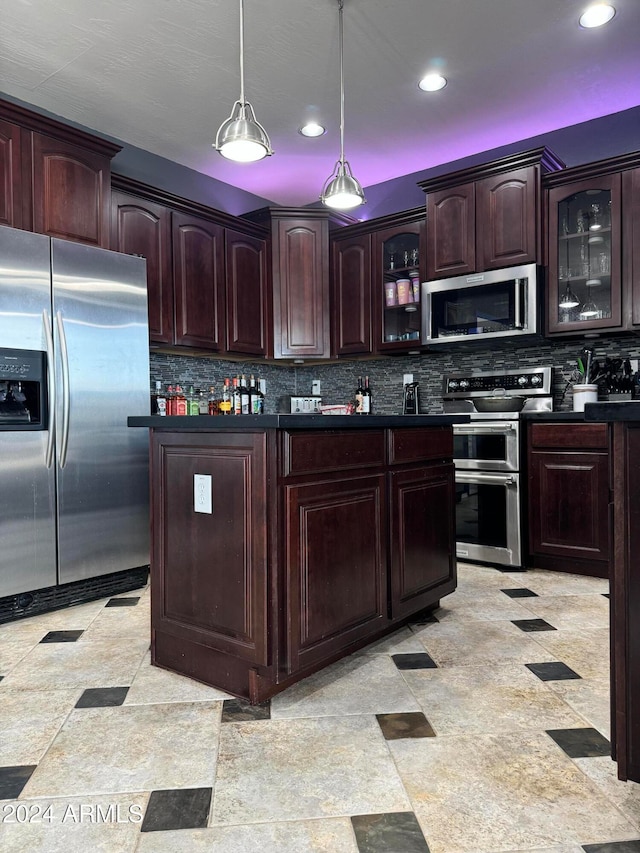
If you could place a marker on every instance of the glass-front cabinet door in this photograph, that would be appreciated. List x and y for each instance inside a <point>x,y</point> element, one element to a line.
<point>399,270</point>
<point>584,256</point>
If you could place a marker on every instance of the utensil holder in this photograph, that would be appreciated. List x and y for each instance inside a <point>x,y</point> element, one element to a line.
<point>584,394</point>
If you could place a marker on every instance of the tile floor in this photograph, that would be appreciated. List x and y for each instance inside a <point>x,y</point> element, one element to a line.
<point>482,730</point>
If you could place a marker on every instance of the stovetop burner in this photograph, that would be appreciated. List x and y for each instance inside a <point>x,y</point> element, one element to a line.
<point>534,383</point>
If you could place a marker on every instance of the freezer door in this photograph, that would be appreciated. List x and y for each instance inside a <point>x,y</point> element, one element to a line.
<point>102,373</point>
<point>27,485</point>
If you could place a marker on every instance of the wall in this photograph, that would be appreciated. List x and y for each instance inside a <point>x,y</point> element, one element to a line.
<point>385,374</point>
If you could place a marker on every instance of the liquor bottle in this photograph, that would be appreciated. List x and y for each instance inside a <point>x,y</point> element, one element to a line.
<point>245,399</point>
<point>359,397</point>
<point>180,402</point>
<point>236,403</point>
<point>225,402</point>
<point>212,402</point>
<point>193,407</point>
<point>158,401</point>
<point>257,397</point>
<point>171,400</point>
<point>367,397</point>
<point>203,403</point>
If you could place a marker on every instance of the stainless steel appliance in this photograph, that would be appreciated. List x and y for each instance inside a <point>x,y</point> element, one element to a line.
<point>410,399</point>
<point>487,458</point>
<point>493,304</point>
<point>73,477</point>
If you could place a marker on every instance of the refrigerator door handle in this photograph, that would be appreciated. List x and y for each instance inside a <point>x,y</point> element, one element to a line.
<point>64,358</point>
<point>51,382</point>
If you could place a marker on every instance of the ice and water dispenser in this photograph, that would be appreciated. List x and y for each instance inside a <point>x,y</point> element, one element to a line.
<point>23,390</point>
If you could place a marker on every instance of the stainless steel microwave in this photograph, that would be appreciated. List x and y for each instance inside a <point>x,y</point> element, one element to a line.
<point>494,304</point>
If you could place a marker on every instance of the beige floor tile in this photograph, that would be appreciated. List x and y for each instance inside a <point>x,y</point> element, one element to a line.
<point>507,792</point>
<point>134,748</point>
<point>75,618</point>
<point>99,663</point>
<point>302,769</point>
<point>571,611</point>
<point>332,835</point>
<point>589,697</point>
<point>480,643</point>
<point>360,684</point>
<point>400,642</point>
<point>105,824</point>
<point>490,605</point>
<point>498,699</point>
<point>29,721</point>
<point>121,622</point>
<point>585,650</point>
<point>12,652</point>
<point>558,583</point>
<point>154,685</point>
<point>626,795</point>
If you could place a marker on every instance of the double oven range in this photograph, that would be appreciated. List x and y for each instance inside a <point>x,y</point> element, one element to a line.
<point>487,458</point>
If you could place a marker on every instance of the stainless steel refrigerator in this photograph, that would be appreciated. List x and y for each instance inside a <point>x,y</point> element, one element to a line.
<point>73,477</point>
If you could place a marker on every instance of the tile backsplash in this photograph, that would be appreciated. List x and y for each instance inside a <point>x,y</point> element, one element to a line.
<point>339,379</point>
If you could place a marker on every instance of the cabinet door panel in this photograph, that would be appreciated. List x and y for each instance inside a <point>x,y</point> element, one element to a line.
<point>422,537</point>
<point>451,232</point>
<point>246,268</point>
<point>631,272</point>
<point>301,288</point>
<point>506,219</point>
<point>352,295</point>
<point>195,599</point>
<point>143,228</point>
<point>335,566</point>
<point>10,176</point>
<point>568,499</point>
<point>70,191</point>
<point>198,280</point>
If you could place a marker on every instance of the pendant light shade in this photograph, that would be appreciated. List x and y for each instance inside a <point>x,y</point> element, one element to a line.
<point>342,190</point>
<point>569,299</point>
<point>241,137</point>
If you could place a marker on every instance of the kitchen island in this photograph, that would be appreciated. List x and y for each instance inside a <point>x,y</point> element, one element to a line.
<point>281,543</point>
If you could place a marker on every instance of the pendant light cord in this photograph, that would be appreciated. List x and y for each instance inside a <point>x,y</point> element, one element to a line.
<point>242,101</point>
<point>341,42</point>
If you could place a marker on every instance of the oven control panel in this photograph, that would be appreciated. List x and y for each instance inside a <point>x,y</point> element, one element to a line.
<point>526,381</point>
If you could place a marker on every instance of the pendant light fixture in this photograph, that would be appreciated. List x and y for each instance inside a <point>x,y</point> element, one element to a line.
<point>241,137</point>
<point>569,299</point>
<point>341,190</point>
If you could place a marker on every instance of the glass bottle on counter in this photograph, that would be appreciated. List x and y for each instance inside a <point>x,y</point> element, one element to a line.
<point>193,407</point>
<point>236,402</point>
<point>359,397</point>
<point>226,402</point>
<point>203,403</point>
<point>180,401</point>
<point>171,400</point>
<point>212,402</point>
<point>367,398</point>
<point>158,401</point>
<point>245,398</point>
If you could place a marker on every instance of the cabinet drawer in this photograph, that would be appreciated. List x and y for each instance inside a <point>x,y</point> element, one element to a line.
<point>313,452</point>
<point>420,445</point>
<point>569,436</point>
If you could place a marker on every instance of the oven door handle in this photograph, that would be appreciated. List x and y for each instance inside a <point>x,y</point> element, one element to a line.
<point>480,478</point>
<point>483,430</point>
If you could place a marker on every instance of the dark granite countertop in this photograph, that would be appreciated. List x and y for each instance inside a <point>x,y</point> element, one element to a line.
<point>199,423</point>
<point>553,417</point>
<point>619,411</point>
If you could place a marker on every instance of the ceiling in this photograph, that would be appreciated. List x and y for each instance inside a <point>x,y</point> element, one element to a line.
<point>162,75</point>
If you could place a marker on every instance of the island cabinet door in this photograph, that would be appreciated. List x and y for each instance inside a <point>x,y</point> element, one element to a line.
<point>208,558</point>
<point>335,567</point>
<point>423,566</point>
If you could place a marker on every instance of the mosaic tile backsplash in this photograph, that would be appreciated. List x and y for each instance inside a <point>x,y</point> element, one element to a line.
<point>339,379</point>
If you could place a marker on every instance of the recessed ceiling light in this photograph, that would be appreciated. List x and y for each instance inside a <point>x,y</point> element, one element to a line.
<point>596,15</point>
<point>433,82</point>
<point>312,128</point>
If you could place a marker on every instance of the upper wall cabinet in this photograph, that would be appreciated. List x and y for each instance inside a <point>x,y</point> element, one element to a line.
<point>351,312</point>
<point>55,180</point>
<point>486,217</point>
<point>594,224</point>
<point>207,283</point>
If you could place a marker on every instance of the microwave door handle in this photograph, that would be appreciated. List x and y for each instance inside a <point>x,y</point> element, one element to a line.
<point>519,319</point>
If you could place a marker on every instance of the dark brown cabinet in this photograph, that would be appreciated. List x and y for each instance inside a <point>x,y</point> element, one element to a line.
<point>568,497</point>
<point>486,217</point>
<point>55,179</point>
<point>207,283</point>
<point>351,295</point>
<point>318,541</point>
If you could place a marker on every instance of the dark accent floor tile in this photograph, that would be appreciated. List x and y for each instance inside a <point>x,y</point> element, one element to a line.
<point>102,697</point>
<point>520,592</point>
<point>383,833</point>
<point>607,595</point>
<point>61,636</point>
<point>185,808</point>
<point>533,625</point>
<point>414,660</point>
<point>426,618</point>
<point>122,602</point>
<point>13,780</point>
<point>632,846</point>
<point>552,671</point>
<point>240,711</point>
<point>581,743</point>
<point>409,724</point>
